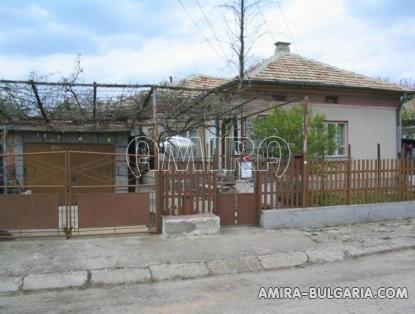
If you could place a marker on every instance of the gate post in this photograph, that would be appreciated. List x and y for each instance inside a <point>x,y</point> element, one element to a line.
<point>159,198</point>
<point>378,172</point>
<point>215,192</point>
<point>349,176</point>
<point>258,189</point>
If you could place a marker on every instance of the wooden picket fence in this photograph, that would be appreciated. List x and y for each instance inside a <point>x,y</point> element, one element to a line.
<point>284,184</point>
<point>280,185</point>
<point>337,182</point>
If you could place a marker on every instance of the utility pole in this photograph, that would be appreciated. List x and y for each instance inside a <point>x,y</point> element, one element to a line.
<point>242,43</point>
<point>155,132</point>
<point>94,101</point>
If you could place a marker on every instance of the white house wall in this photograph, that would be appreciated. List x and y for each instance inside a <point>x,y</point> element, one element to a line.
<point>366,126</point>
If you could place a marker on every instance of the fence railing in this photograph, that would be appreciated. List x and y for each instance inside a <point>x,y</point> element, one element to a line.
<point>360,181</point>
<point>279,185</point>
<point>337,182</point>
<point>186,193</point>
<point>57,192</point>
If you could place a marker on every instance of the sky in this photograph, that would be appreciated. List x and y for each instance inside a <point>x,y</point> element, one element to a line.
<point>147,41</point>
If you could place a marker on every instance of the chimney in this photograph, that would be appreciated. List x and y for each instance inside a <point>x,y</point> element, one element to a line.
<point>282,48</point>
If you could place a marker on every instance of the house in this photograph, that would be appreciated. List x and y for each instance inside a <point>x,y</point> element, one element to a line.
<point>366,111</point>
<point>66,151</point>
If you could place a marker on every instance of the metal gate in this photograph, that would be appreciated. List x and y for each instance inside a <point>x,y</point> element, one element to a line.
<point>189,192</point>
<point>67,193</point>
<point>237,209</point>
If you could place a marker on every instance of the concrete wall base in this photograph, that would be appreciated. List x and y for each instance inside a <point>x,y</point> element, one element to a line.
<point>314,217</point>
<point>190,225</point>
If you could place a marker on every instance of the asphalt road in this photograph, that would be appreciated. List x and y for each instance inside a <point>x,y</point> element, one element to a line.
<point>238,293</point>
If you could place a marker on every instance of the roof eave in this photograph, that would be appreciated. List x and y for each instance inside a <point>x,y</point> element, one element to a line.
<point>316,84</point>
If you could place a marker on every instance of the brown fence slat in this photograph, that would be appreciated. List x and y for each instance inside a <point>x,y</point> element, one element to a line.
<point>35,211</point>
<point>245,206</point>
<point>98,210</point>
<point>335,182</point>
<point>226,208</point>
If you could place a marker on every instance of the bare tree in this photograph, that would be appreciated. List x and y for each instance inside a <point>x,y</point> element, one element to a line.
<point>244,27</point>
<point>407,83</point>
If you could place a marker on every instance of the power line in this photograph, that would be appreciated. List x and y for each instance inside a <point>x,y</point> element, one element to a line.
<point>286,25</point>
<point>271,34</point>
<point>211,28</point>
<point>200,31</point>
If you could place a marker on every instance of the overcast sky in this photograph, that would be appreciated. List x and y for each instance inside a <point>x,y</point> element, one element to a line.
<point>150,40</point>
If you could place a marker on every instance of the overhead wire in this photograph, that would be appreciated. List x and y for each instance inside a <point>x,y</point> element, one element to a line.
<point>211,28</point>
<point>271,34</point>
<point>201,31</point>
<point>287,25</point>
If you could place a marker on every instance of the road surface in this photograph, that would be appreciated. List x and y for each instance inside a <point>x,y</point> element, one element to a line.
<point>238,293</point>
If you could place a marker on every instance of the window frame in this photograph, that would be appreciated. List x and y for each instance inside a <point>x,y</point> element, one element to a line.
<point>331,99</point>
<point>345,136</point>
<point>279,97</point>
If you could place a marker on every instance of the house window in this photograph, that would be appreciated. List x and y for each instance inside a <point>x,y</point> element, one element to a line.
<point>279,97</point>
<point>338,129</point>
<point>261,116</point>
<point>332,99</point>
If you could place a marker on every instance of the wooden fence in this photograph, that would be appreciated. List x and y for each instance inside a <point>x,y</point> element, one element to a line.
<point>279,185</point>
<point>284,184</point>
<point>360,181</point>
<point>336,182</point>
<point>186,192</point>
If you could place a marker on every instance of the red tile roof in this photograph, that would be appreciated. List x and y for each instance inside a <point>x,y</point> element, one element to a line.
<point>292,68</point>
<point>203,81</point>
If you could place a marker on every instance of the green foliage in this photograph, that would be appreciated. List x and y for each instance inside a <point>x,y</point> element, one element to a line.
<point>288,124</point>
<point>408,115</point>
<point>333,198</point>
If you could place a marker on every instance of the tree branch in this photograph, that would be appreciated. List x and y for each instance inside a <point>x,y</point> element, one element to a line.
<point>39,102</point>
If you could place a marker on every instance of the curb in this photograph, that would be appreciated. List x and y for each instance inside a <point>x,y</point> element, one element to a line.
<point>182,271</point>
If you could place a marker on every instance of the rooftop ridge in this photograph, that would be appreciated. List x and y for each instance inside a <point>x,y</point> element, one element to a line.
<point>293,67</point>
